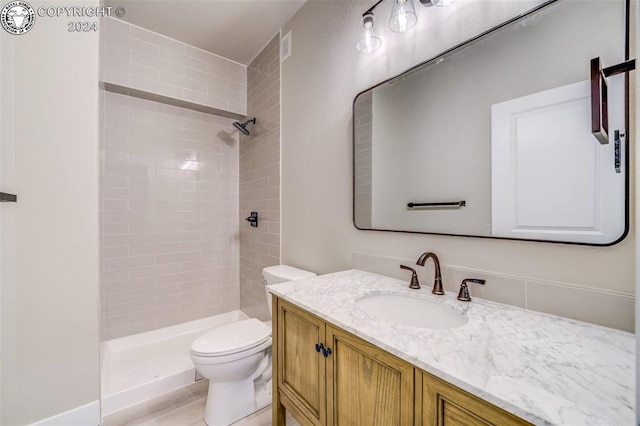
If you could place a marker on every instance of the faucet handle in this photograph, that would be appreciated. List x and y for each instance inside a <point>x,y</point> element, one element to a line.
<point>414,277</point>
<point>463,294</point>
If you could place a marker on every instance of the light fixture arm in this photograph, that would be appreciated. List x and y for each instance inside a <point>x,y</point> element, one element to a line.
<point>370,10</point>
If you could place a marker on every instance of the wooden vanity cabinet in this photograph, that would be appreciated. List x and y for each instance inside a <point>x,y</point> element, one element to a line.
<point>439,403</point>
<point>347,382</point>
<point>325,376</point>
<point>299,379</point>
<point>366,385</point>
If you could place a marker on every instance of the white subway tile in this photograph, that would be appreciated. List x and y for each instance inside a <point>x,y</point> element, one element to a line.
<point>168,209</point>
<point>174,56</point>
<point>120,38</point>
<point>112,25</point>
<point>156,63</point>
<point>114,228</point>
<point>139,46</point>
<point>205,99</point>
<point>115,77</point>
<point>128,262</point>
<point>180,81</point>
<point>120,239</point>
<point>207,57</point>
<point>116,251</point>
<point>116,51</point>
<point>156,39</point>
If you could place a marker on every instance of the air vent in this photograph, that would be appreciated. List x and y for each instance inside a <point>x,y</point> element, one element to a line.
<point>285,47</point>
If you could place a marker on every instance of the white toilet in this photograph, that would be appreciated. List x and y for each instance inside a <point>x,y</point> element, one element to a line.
<point>236,358</point>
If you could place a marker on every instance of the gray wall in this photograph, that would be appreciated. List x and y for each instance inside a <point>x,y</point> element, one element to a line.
<point>260,180</point>
<point>319,83</point>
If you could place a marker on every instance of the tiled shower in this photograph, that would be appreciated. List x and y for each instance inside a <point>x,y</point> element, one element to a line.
<point>169,209</point>
<point>176,184</point>
<point>260,180</point>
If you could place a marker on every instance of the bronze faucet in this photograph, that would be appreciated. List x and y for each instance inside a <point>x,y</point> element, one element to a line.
<point>437,281</point>
<point>414,277</point>
<point>463,295</point>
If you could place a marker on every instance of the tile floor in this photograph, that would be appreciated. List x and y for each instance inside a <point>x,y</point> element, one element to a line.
<point>191,415</point>
<point>181,408</point>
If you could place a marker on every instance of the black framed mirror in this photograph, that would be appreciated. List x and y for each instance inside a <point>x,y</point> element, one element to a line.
<point>493,137</point>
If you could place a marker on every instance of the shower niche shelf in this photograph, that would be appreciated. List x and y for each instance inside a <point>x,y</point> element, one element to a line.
<point>167,100</point>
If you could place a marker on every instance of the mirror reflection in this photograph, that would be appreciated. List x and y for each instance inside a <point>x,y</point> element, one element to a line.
<point>494,138</point>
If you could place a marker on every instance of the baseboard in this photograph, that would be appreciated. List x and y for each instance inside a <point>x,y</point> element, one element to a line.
<point>86,415</point>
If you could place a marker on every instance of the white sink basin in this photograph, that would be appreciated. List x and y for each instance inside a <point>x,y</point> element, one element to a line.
<point>411,311</point>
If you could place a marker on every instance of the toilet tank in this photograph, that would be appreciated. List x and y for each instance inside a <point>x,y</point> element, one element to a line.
<point>280,274</point>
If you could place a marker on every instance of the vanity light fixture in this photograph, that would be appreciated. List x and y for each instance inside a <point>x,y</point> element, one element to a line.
<point>439,3</point>
<point>403,18</point>
<point>369,40</point>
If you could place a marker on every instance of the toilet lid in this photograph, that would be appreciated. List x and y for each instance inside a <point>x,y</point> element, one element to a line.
<point>231,338</point>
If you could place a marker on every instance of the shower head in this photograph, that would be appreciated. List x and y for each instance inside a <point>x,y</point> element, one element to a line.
<point>243,126</point>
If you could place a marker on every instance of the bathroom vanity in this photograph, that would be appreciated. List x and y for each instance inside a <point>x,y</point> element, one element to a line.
<point>336,363</point>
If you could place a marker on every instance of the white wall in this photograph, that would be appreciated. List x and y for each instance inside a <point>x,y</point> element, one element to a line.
<point>51,366</point>
<point>635,47</point>
<point>7,226</point>
<point>319,83</point>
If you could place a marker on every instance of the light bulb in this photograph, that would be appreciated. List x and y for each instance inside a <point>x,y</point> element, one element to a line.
<point>369,40</point>
<point>403,16</point>
<point>442,3</point>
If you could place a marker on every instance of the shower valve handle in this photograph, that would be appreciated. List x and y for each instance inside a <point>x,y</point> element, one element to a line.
<point>253,219</point>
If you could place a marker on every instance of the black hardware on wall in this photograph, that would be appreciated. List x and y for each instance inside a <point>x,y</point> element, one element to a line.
<point>8,198</point>
<point>446,204</point>
<point>253,219</point>
<point>616,150</point>
<point>599,96</point>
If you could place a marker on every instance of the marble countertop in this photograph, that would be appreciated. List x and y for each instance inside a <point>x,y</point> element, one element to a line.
<point>546,369</point>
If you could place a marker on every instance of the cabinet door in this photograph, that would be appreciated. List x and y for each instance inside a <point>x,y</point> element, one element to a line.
<point>445,405</point>
<point>365,385</point>
<point>301,370</point>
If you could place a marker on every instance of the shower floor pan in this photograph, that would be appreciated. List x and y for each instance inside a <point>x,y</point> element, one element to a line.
<point>145,366</point>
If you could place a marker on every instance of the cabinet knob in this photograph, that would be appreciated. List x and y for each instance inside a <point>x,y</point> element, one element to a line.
<point>319,347</point>
<point>326,352</point>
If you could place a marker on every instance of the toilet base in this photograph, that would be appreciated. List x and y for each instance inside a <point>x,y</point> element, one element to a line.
<point>229,402</point>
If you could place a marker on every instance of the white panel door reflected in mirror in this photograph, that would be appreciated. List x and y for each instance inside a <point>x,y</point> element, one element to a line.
<point>549,179</point>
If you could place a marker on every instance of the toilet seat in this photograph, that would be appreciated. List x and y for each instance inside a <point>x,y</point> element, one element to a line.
<point>232,338</point>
